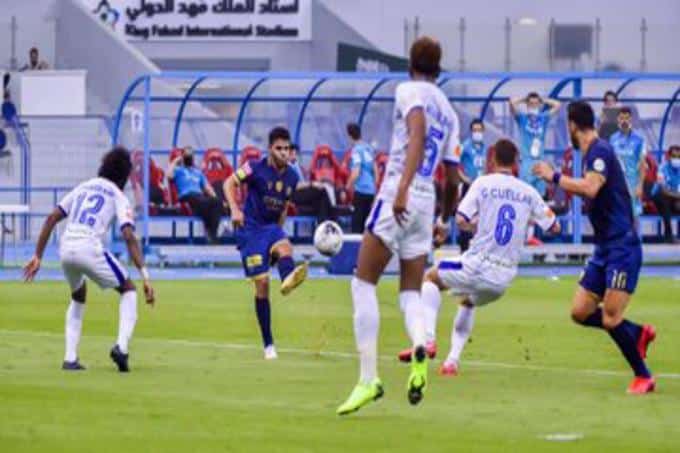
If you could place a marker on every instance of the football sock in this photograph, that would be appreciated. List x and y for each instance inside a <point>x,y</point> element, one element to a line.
<point>127,318</point>
<point>74,327</point>
<point>286,265</point>
<point>366,325</point>
<point>432,299</point>
<point>594,320</point>
<point>414,315</point>
<point>623,335</point>
<point>462,328</point>
<point>263,310</point>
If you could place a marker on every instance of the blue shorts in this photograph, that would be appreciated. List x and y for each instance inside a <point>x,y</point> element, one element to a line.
<point>255,244</point>
<point>526,175</point>
<point>613,267</point>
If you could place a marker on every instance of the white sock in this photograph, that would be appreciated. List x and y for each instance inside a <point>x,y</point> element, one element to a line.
<point>531,231</point>
<point>366,324</point>
<point>127,319</point>
<point>462,328</point>
<point>414,314</point>
<point>432,299</point>
<point>73,330</point>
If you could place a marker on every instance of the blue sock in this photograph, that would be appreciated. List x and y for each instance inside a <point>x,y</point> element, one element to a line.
<point>624,336</point>
<point>263,311</point>
<point>286,266</point>
<point>594,320</point>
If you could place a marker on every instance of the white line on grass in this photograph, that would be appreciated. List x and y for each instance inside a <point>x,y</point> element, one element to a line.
<point>344,355</point>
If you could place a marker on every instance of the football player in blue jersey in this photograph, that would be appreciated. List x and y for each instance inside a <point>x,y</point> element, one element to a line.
<point>611,274</point>
<point>630,148</point>
<point>258,227</point>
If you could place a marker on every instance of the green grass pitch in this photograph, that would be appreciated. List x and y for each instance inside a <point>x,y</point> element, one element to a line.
<point>199,383</point>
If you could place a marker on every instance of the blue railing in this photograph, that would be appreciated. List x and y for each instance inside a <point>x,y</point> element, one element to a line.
<point>367,89</point>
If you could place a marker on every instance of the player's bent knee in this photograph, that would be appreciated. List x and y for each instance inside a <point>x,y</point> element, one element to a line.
<point>432,276</point>
<point>579,315</point>
<point>128,285</point>
<point>261,287</point>
<point>80,294</point>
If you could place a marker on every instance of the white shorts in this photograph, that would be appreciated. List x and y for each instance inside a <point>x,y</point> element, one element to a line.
<point>471,276</point>
<point>84,259</point>
<point>409,241</point>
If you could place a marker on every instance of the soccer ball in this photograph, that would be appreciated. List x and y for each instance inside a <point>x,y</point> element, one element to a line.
<point>328,238</point>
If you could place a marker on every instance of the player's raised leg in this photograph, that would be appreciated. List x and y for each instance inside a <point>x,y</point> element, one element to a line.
<point>291,275</point>
<point>373,258</point>
<point>460,334</point>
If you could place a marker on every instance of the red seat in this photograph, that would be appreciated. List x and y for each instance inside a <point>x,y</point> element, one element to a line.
<point>156,179</point>
<point>381,159</point>
<point>216,166</point>
<point>325,167</point>
<point>184,208</point>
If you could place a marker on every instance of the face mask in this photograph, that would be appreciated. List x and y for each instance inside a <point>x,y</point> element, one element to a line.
<point>477,137</point>
<point>533,110</point>
<point>675,162</point>
<point>189,161</point>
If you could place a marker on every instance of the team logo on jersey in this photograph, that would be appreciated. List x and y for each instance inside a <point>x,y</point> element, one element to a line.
<point>279,186</point>
<point>598,165</point>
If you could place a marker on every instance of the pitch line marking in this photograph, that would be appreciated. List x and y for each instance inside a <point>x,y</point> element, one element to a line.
<point>338,354</point>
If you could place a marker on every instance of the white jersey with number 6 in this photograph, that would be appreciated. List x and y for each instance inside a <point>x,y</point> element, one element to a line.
<point>503,206</point>
<point>441,140</point>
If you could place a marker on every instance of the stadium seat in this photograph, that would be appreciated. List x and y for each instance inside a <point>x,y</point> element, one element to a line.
<point>381,159</point>
<point>216,169</point>
<point>648,206</point>
<point>324,167</point>
<point>160,195</point>
<point>184,208</point>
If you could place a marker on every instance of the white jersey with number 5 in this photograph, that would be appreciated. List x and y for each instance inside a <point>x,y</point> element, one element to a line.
<point>91,208</point>
<point>441,140</point>
<point>503,207</point>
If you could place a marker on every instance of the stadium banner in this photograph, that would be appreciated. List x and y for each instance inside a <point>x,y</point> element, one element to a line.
<point>361,59</point>
<point>237,20</point>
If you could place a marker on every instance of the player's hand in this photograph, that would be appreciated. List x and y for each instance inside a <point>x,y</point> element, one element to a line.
<point>543,170</point>
<point>31,269</point>
<point>237,218</point>
<point>149,293</point>
<point>440,233</point>
<point>399,207</point>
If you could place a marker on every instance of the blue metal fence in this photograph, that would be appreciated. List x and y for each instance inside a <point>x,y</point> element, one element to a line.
<point>466,91</point>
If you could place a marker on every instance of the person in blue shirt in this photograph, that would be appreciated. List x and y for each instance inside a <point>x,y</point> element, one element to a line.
<point>630,148</point>
<point>611,274</point>
<point>193,188</point>
<point>472,165</point>
<point>362,177</point>
<point>665,192</point>
<point>533,125</point>
<point>258,227</point>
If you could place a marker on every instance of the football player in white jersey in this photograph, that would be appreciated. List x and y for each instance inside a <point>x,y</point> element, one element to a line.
<point>400,223</point>
<point>498,208</point>
<point>90,209</point>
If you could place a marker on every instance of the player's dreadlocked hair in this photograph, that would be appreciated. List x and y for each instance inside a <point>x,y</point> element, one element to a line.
<point>116,166</point>
<point>425,56</point>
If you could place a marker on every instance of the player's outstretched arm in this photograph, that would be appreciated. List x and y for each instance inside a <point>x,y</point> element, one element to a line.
<point>415,151</point>
<point>138,260</point>
<point>230,186</point>
<point>587,186</point>
<point>33,266</point>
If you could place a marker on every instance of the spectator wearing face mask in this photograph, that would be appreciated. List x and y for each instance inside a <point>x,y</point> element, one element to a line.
<point>193,188</point>
<point>472,165</point>
<point>630,148</point>
<point>533,125</point>
<point>610,111</point>
<point>666,191</point>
